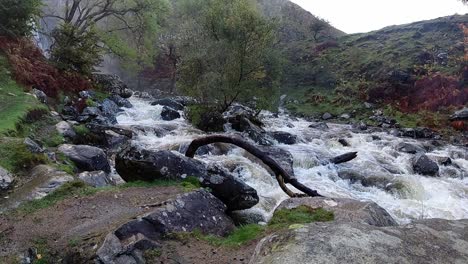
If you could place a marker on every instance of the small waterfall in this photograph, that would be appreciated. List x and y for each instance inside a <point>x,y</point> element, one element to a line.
<point>408,196</point>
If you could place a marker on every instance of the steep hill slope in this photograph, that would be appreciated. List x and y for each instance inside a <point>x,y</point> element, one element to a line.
<point>414,67</point>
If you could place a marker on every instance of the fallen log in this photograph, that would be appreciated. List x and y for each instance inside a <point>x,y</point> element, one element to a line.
<point>282,176</point>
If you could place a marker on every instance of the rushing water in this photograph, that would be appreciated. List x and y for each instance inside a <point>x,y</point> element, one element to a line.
<point>417,197</point>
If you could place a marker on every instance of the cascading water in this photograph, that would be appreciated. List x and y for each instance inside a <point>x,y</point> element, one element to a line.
<point>402,193</point>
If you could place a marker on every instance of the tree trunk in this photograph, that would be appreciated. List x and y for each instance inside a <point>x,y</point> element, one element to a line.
<point>281,175</point>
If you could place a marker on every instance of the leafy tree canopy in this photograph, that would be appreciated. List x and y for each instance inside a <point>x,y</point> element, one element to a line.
<point>17,17</point>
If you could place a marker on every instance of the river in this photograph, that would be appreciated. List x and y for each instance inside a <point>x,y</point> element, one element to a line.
<point>417,196</point>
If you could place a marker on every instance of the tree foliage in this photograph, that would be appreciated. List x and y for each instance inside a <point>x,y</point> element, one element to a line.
<point>17,17</point>
<point>318,27</point>
<point>227,55</point>
<point>125,28</point>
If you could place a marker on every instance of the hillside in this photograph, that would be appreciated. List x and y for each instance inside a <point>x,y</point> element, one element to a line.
<point>412,67</point>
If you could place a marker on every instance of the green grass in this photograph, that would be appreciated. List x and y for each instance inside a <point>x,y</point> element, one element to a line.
<point>300,215</point>
<point>14,102</point>
<point>70,189</point>
<point>16,157</point>
<point>282,219</point>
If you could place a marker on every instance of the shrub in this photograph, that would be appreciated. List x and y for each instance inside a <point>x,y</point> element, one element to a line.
<point>16,157</point>
<point>206,118</point>
<point>75,51</point>
<point>17,17</point>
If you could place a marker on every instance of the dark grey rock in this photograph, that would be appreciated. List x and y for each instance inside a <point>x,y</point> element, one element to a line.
<point>169,114</point>
<point>380,180</point>
<point>423,241</point>
<point>320,125</point>
<point>345,210</point>
<point>255,132</point>
<point>40,95</point>
<point>197,210</point>
<point>169,103</point>
<point>327,116</point>
<point>6,179</point>
<point>70,111</point>
<point>460,115</point>
<point>425,166</point>
<point>65,129</point>
<point>120,101</point>
<point>86,157</point>
<point>113,84</point>
<point>410,148</point>
<point>33,146</point>
<point>96,178</point>
<point>283,157</point>
<point>284,137</point>
<point>133,164</point>
<point>109,108</point>
<point>343,142</point>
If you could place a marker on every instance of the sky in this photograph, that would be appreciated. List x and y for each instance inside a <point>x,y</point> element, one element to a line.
<point>358,16</point>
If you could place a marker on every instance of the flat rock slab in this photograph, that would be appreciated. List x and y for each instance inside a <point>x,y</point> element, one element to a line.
<point>345,210</point>
<point>426,241</point>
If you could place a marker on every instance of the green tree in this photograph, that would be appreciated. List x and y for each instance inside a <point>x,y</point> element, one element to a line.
<point>318,27</point>
<point>17,17</point>
<point>125,28</point>
<point>227,55</point>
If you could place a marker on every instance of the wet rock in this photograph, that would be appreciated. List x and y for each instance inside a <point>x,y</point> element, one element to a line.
<point>343,142</point>
<point>254,131</point>
<point>33,146</point>
<point>211,121</point>
<point>283,157</point>
<point>420,132</point>
<point>85,157</point>
<point>133,164</point>
<point>65,129</point>
<point>96,178</point>
<point>70,111</point>
<point>460,115</point>
<point>320,125</point>
<point>109,108</point>
<point>40,95</point>
<point>446,161</point>
<point>6,179</point>
<point>120,101</point>
<point>197,210</point>
<point>422,241</point>
<point>345,210</point>
<point>376,179</point>
<point>169,103</point>
<point>114,140</point>
<point>327,116</point>
<point>425,166</point>
<point>410,148</point>
<point>284,137</point>
<point>113,84</point>
<point>360,126</point>
<point>247,217</point>
<point>169,114</point>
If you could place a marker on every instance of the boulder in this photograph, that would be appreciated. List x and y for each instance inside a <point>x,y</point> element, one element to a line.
<point>422,164</point>
<point>120,101</point>
<point>345,210</point>
<point>283,157</point>
<point>211,121</point>
<point>169,103</point>
<point>380,180</point>
<point>113,84</point>
<point>460,115</point>
<point>320,125</point>
<point>169,114</point>
<point>422,241</point>
<point>86,157</point>
<point>284,137</point>
<point>195,211</point>
<point>70,111</point>
<point>32,146</point>
<point>40,95</point>
<point>96,178</point>
<point>109,108</point>
<point>327,116</point>
<point>133,164</point>
<point>255,132</point>
<point>6,179</point>
<point>418,133</point>
<point>65,129</point>
<point>410,148</point>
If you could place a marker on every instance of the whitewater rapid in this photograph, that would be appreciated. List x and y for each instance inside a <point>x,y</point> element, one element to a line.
<point>420,197</point>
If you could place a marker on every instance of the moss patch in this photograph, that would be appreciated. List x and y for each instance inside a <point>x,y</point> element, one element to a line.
<point>16,157</point>
<point>300,215</point>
